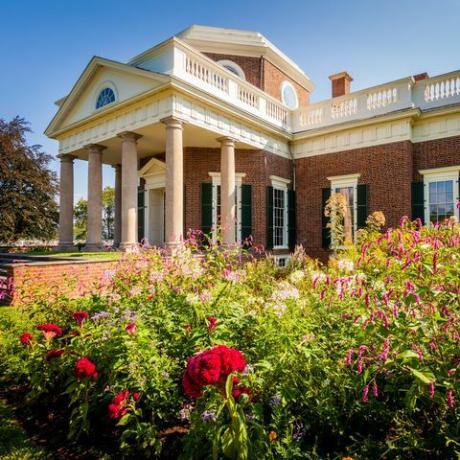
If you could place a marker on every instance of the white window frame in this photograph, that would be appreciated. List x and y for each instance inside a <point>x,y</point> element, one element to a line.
<point>238,70</point>
<point>346,181</point>
<point>215,176</point>
<point>287,84</point>
<point>280,183</point>
<point>440,175</point>
<point>278,259</point>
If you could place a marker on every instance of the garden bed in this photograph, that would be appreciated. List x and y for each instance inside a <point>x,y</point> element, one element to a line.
<point>207,357</point>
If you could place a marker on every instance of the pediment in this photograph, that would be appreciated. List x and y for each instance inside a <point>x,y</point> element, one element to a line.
<point>124,80</point>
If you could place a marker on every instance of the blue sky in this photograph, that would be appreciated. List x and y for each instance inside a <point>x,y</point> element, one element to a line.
<point>45,45</point>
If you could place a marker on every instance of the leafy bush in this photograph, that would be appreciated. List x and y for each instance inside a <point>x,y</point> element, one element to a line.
<point>358,359</point>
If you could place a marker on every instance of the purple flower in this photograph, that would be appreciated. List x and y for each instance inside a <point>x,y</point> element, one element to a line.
<point>208,416</point>
<point>364,395</point>
<point>275,401</point>
<point>299,431</point>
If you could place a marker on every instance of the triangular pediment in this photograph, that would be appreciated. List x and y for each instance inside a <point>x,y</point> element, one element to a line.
<point>124,80</point>
<point>152,167</point>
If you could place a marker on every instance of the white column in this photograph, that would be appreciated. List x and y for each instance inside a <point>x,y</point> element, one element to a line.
<point>129,190</point>
<point>174,182</point>
<point>117,220</point>
<point>227,189</point>
<point>94,224</point>
<point>66,184</point>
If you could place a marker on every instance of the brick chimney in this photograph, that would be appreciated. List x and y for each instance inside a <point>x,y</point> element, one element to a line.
<point>341,84</point>
<point>421,76</point>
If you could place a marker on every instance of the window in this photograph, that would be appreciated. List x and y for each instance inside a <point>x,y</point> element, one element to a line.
<point>106,96</point>
<point>347,186</point>
<point>216,204</point>
<point>280,212</point>
<point>232,67</point>
<point>289,95</point>
<point>281,261</point>
<point>441,193</point>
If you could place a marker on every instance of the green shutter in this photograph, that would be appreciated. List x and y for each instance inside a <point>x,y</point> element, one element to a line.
<point>246,211</point>
<point>418,201</point>
<point>363,191</point>
<point>292,219</point>
<point>325,231</point>
<point>269,244</point>
<point>184,214</point>
<point>206,208</point>
<point>140,213</point>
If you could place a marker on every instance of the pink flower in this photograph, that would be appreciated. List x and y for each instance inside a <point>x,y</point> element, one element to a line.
<point>364,398</point>
<point>131,328</point>
<point>431,390</point>
<point>450,399</point>
<point>349,357</point>
<point>375,389</point>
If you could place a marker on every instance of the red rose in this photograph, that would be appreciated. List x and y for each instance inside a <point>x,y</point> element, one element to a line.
<point>212,323</point>
<point>85,369</point>
<point>26,338</point>
<point>80,316</point>
<point>131,328</point>
<point>54,354</point>
<point>50,330</point>
<point>117,408</point>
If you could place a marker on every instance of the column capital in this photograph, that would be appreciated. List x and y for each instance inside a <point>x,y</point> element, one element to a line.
<point>65,158</point>
<point>226,140</point>
<point>97,148</point>
<point>172,122</point>
<point>129,136</point>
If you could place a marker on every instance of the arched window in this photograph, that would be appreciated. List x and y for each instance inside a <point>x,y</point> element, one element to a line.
<point>289,95</point>
<point>106,96</point>
<point>232,67</point>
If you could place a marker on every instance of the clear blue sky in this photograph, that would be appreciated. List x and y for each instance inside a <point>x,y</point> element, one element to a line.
<point>45,45</point>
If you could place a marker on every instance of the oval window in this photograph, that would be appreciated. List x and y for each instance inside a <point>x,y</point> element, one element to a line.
<point>289,95</point>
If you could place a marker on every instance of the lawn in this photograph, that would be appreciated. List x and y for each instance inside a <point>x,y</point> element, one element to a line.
<point>84,255</point>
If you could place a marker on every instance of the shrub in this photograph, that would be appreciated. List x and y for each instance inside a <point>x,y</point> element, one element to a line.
<point>220,355</point>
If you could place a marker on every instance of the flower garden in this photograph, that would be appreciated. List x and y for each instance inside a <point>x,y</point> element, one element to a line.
<point>224,355</point>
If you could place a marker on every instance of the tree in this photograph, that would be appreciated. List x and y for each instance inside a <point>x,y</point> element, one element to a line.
<point>28,209</point>
<point>108,215</point>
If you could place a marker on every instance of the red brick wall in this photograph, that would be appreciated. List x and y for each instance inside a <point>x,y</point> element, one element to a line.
<point>74,278</point>
<point>258,166</point>
<point>262,73</point>
<point>387,169</point>
<point>271,83</point>
<point>438,153</point>
<point>251,66</point>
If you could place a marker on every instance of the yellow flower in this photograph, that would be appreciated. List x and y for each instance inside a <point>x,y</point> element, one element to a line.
<point>272,436</point>
<point>347,458</point>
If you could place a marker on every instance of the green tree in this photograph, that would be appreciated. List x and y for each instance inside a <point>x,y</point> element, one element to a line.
<point>108,215</point>
<point>28,187</point>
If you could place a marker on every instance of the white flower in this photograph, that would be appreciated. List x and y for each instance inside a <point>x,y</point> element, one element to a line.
<point>346,265</point>
<point>192,298</point>
<point>285,291</point>
<point>296,276</point>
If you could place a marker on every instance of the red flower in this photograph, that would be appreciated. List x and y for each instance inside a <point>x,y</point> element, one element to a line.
<point>117,408</point>
<point>136,396</point>
<point>80,316</point>
<point>54,354</point>
<point>212,323</point>
<point>131,328</point>
<point>26,338</point>
<point>211,367</point>
<point>50,330</point>
<point>238,389</point>
<point>85,369</point>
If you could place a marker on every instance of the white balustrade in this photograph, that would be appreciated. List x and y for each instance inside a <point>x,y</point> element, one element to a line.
<point>442,89</point>
<point>206,74</point>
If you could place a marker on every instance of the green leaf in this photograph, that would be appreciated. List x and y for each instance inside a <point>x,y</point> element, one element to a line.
<point>407,354</point>
<point>124,420</point>
<point>425,377</point>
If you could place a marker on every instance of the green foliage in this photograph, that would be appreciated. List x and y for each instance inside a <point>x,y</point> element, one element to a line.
<point>27,186</point>
<point>358,359</point>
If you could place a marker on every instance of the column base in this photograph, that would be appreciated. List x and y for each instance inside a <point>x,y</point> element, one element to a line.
<point>64,246</point>
<point>92,247</point>
<point>128,247</point>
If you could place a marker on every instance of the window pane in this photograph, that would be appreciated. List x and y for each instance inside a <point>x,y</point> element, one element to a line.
<point>441,200</point>
<point>348,193</point>
<point>278,217</point>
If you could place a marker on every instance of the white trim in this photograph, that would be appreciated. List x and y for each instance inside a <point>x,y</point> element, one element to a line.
<point>227,62</point>
<point>449,173</point>
<point>279,182</point>
<point>279,257</point>
<point>287,84</point>
<point>147,216</point>
<point>346,181</point>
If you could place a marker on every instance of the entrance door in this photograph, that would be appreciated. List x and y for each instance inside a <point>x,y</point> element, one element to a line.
<point>156,216</point>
